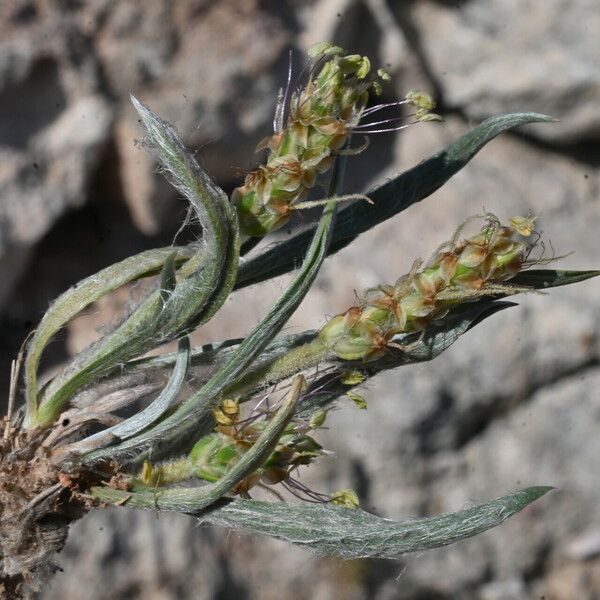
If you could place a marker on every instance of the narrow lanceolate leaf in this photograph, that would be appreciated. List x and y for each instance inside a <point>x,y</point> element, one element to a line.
<point>204,360</point>
<point>215,353</point>
<point>388,200</point>
<point>197,498</point>
<point>80,296</point>
<point>149,415</point>
<point>542,279</point>
<point>193,418</point>
<point>349,533</point>
<point>440,338</point>
<point>436,340</point>
<point>353,533</point>
<point>201,285</point>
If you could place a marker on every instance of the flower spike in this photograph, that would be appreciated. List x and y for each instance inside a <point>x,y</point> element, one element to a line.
<point>459,271</point>
<point>312,125</point>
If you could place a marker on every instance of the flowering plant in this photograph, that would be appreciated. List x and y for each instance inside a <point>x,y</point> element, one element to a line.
<point>206,429</point>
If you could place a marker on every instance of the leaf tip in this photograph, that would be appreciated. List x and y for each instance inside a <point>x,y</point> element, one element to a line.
<point>546,118</point>
<point>531,494</point>
<point>137,104</point>
<point>535,117</point>
<point>145,113</point>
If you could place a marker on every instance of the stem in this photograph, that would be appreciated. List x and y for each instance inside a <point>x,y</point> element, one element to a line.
<point>296,360</point>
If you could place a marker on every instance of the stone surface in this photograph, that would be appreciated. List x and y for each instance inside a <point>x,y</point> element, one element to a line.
<point>514,403</point>
<point>53,132</point>
<point>492,57</point>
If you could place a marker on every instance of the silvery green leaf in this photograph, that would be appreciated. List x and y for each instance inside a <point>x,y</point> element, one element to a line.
<point>353,533</point>
<point>202,285</point>
<point>334,530</point>
<point>87,291</point>
<point>389,199</point>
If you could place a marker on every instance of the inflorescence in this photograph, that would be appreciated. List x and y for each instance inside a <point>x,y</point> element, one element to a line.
<point>320,120</point>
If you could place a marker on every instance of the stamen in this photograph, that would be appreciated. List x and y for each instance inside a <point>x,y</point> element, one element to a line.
<point>379,107</point>
<point>389,130</point>
<point>279,119</point>
<point>362,125</point>
<point>294,485</point>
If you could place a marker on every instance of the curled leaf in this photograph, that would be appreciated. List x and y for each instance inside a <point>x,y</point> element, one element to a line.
<point>201,286</point>
<point>77,298</point>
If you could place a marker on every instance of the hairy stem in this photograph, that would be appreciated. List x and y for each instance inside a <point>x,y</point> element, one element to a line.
<point>299,359</point>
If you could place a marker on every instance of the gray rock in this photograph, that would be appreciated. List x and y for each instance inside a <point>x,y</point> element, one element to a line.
<point>219,66</point>
<point>492,57</point>
<point>53,132</point>
<point>511,589</point>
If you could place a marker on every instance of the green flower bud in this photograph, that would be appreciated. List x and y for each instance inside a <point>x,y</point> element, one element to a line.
<point>348,342</point>
<point>213,455</point>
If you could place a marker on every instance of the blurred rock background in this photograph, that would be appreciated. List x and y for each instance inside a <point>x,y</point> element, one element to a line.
<point>516,402</point>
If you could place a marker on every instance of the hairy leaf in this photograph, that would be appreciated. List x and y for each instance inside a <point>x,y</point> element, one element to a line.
<point>203,283</point>
<point>346,532</point>
<point>80,296</point>
<point>353,533</point>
